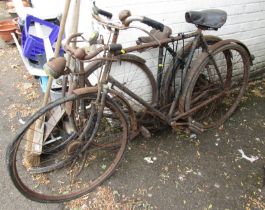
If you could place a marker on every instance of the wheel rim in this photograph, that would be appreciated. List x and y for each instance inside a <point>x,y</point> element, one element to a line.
<point>133,75</point>
<point>70,181</point>
<point>234,66</point>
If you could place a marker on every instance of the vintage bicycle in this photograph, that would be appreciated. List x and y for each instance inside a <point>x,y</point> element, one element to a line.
<point>86,132</point>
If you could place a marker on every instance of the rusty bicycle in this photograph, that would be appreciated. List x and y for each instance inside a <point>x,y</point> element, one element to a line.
<point>86,132</point>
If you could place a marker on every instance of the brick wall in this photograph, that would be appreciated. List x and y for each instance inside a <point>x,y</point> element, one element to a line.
<point>245,22</point>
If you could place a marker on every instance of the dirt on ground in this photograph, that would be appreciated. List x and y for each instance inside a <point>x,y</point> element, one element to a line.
<point>219,169</point>
<point>187,171</point>
<point>169,171</point>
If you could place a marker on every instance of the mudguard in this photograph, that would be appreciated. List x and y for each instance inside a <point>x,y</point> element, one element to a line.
<point>198,63</point>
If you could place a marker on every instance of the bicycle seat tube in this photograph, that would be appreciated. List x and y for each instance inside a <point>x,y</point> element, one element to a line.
<point>196,42</point>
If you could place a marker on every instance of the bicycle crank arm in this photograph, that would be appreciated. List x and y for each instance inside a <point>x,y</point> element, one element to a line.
<point>196,127</point>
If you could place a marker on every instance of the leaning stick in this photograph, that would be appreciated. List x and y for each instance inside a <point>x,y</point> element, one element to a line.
<point>30,159</point>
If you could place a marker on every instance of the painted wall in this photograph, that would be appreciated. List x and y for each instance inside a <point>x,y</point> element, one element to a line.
<point>245,22</point>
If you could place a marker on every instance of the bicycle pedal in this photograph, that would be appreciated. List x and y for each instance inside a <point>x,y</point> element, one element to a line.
<point>176,126</point>
<point>145,132</point>
<point>196,127</point>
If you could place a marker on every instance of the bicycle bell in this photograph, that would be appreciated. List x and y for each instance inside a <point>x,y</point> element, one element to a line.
<point>124,14</point>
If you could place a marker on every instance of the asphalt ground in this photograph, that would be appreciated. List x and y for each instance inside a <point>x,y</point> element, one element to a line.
<point>186,171</point>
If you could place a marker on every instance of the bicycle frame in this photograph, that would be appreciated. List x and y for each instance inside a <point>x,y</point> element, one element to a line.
<point>103,87</point>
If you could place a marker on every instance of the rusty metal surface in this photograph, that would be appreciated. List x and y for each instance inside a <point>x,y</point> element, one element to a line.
<point>50,195</point>
<point>85,90</point>
<point>226,48</point>
<point>130,111</point>
<point>144,46</point>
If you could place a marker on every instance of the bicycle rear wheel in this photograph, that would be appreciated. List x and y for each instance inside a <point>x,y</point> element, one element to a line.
<point>216,86</point>
<point>172,78</point>
<point>71,171</point>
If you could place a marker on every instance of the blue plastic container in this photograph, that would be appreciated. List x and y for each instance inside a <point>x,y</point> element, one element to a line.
<point>33,45</point>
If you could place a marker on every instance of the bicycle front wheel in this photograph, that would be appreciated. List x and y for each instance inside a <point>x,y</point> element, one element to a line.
<point>216,86</point>
<point>70,171</point>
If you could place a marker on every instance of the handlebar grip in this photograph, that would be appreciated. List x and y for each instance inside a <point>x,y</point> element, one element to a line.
<point>96,10</point>
<point>115,47</point>
<point>153,23</point>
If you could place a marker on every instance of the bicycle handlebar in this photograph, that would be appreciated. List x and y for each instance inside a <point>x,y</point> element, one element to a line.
<point>80,53</point>
<point>97,11</point>
<point>126,20</point>
<point>153,23</point>
<point>148,21</point>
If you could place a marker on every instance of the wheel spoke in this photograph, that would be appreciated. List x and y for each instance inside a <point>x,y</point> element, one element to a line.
<point>218,86</point>
<point>67,173</point>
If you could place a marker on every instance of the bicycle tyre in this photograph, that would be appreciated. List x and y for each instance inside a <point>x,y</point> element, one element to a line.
<point>33,189</point>
<point>228,91</point>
